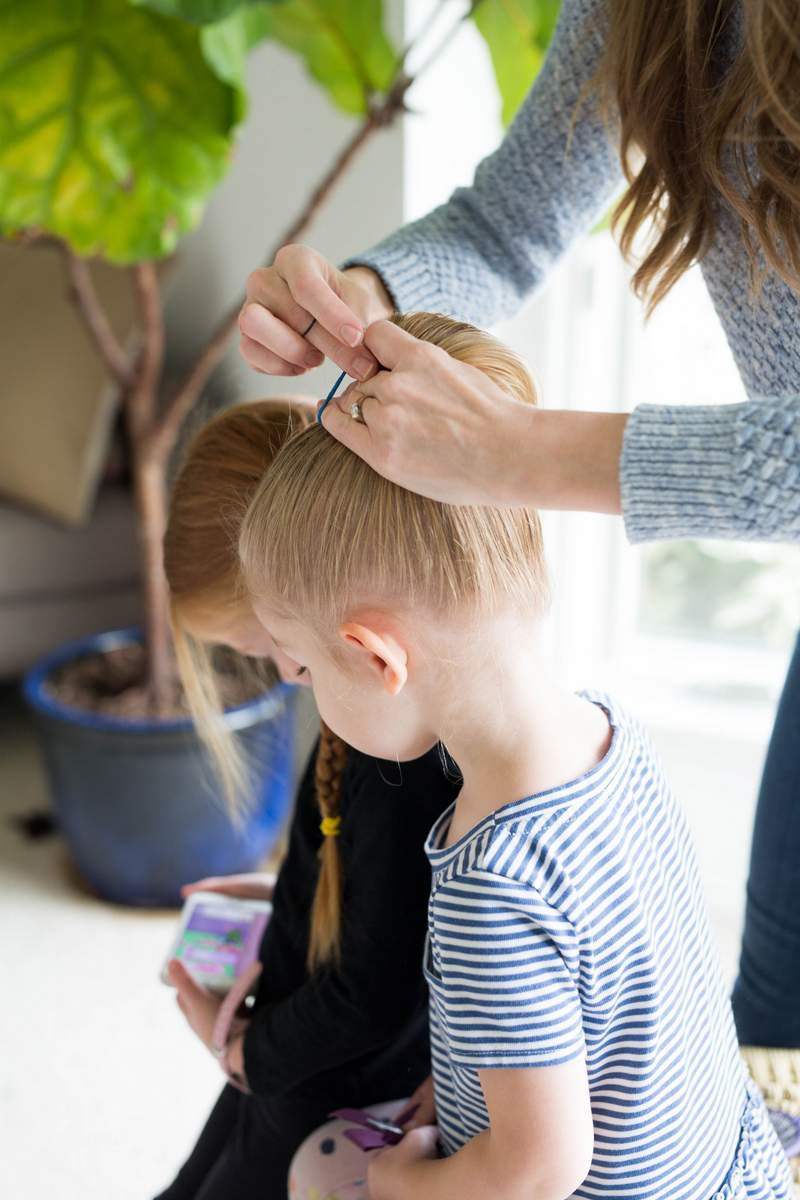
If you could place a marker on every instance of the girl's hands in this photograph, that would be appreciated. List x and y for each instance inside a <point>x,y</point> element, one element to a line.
<point>258,885</point>
<point>390,1175</point>
<point>301,287</point>
<point>425,1102</point>
<point>198,1006</point>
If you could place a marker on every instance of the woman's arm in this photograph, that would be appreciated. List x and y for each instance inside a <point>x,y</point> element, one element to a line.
<point>730,471</point>
<point>442,428</point>
<point>477,256</point>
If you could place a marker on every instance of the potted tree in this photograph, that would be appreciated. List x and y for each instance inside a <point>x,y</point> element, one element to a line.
<point>117,120</point>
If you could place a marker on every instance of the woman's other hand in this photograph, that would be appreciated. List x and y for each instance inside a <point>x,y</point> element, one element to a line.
<point>258,885</point>
<point>301,290</point>
<point>433,424</point>
<point>442,428</point>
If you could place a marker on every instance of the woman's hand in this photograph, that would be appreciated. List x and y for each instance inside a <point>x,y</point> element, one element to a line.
<point>424,1101</point>
<point>198,1005</point>
<point>390,1175</point>
<point>444,429</point>
<point>433,424</point>
<point>299,288</point>
<point>258,885</point>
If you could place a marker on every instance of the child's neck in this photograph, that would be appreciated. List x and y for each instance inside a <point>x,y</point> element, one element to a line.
<point>520,732</point>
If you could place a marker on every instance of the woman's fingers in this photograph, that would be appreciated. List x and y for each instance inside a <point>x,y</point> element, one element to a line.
<point>264,361</point>
<point>302,305</point>
<point>264,328</point>
<point>309,279</point>
<point>350,433</point>
<point>391,345</point>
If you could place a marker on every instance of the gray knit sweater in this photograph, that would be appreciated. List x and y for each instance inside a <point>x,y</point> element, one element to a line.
<point>725,470</point>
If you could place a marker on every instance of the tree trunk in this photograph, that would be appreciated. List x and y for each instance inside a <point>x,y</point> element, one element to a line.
<point>150,495</point>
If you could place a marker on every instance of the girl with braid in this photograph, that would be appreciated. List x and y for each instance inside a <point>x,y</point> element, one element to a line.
<point>340,1013</point>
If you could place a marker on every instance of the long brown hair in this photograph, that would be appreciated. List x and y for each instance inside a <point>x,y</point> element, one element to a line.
<point>692,132</point>
<point>223,466</point>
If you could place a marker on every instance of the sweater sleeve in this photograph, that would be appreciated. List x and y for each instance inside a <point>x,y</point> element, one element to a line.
<point>729,471</point>
<point>478,256</point>
<point>342,1014</point>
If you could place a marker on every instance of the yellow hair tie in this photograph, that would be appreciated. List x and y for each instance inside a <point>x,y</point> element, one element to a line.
<point>330,826</point>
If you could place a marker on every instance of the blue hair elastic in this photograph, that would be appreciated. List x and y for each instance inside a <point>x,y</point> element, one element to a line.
<point>329,397</point>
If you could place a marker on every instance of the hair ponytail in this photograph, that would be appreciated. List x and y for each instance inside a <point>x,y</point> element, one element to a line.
<point>326,914</point>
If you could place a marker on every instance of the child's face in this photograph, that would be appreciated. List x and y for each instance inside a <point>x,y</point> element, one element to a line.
<point>245,634</point>
<point>364,693</point>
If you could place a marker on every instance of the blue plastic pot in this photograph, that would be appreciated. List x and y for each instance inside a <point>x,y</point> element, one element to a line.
<point>137,801</point>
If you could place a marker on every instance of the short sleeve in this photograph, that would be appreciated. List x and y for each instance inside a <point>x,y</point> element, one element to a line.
<point>503,974</point>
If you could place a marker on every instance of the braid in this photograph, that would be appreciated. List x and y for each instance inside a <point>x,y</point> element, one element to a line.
<point>326,913</point>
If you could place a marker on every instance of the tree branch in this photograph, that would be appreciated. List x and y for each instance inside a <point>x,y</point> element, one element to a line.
<point>94,317</point>
<point>143,397</point>
<point>214,351</point>
<point>380,115</point>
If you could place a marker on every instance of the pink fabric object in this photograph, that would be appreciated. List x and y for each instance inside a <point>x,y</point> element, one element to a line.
<point>328,1165</point>
<point>374,1133</point>
<point>228,1025</point>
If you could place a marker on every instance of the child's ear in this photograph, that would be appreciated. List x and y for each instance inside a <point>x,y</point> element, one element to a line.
<point>386,655</point>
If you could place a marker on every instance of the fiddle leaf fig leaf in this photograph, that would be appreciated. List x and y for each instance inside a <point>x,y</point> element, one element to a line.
<point>114,125</point>
<point>517,33</point>
<point>343,44</point>
<point>200,12</point>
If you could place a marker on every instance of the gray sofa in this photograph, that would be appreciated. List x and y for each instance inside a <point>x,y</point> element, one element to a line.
<point>58,583</point>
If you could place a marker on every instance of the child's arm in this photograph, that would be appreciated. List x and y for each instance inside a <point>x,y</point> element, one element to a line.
<point>538,1147</point>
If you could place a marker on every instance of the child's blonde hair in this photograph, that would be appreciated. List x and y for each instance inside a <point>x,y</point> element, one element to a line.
<point>325,532</point>
<point>223,466</point>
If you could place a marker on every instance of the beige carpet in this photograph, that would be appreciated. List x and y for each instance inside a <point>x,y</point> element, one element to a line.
<point>102,1087</point>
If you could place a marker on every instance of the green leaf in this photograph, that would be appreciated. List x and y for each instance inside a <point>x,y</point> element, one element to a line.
<point>200,12</point>
<point>343,44</point>
<point>227,43</point>
<point>518,33</point>
<point>114,127</point>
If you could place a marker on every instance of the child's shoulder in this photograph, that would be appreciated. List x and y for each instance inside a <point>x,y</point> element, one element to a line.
<point>533,842</point>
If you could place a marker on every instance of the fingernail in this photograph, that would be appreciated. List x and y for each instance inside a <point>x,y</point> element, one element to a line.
<point>362,367</point>
<point>313,358</point>
<point>351,334</point>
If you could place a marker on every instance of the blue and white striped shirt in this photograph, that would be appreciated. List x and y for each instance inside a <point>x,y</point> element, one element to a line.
<point>570,924</point>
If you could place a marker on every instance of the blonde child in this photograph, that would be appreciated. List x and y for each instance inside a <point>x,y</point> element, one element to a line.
<point>340,1011</point>
<point>581,1034</point>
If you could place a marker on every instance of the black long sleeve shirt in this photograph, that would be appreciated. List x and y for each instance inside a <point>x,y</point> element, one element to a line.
<point>373,1005</point>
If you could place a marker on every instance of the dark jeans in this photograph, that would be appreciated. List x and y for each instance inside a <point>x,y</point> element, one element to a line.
<point>244,1150</point>
<point>766,996</point>
<point>247,1144</point>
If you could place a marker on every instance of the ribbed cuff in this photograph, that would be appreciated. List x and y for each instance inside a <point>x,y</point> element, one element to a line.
<point>405,276</point>
<point>678,473</point>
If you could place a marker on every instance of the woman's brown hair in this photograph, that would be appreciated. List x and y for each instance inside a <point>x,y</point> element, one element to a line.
<point>223,466</point>
<point>695,129</point>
